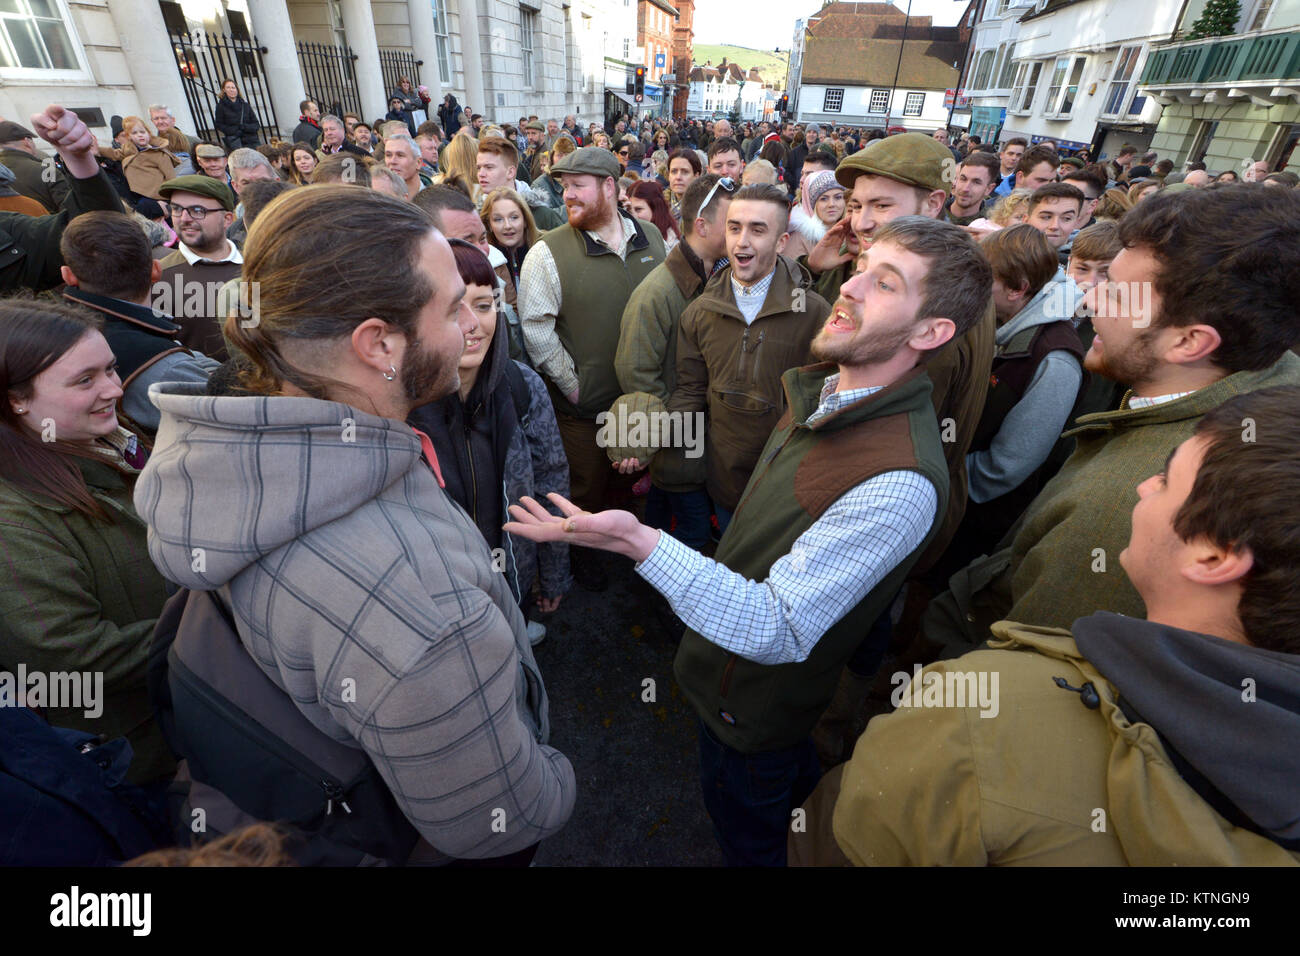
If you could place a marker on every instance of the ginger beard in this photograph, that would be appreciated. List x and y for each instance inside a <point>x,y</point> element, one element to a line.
<point>843,341</point>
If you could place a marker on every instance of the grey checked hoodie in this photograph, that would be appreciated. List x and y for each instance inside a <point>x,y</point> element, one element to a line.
<point>367,595</point>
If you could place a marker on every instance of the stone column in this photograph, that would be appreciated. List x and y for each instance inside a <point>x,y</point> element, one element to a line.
<point>150,60</point>
<point>272,29</point>
<point>359,25</point>
<point>472,53</point>
<point>424,41</point>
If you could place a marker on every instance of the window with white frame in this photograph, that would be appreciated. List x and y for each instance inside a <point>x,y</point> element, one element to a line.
<point>1260,17</point>
<point>626,48</point>
<point>914,104</point>
<point>1117,93</point>
<point>442,37</point>
<point>1026,85</point>
<point>879,101</point>
<point>34,36</point>
<point>983,70</point>
<point>1066,73</point>
<point>1008,67</point>
<point>833,102</point>
<point>528,29</point>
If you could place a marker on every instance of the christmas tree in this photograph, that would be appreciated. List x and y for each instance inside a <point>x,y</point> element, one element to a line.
<point>1219,18</point>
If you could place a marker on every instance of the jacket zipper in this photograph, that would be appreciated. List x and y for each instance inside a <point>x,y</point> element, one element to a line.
<point>473,479</point>
<point>726,673</point>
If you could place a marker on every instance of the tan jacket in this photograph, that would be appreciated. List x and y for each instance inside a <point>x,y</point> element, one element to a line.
<point>145,170</point>
<point>1045,782</point>
<point>733,371</point>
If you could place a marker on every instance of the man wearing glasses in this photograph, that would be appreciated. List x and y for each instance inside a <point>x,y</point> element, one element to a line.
<point>201,210</point>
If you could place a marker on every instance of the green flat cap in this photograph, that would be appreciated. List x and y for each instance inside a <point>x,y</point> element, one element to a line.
<point>202,186</point>
<point>589,160</point>
<point>536,124</point>
<point>912,158</point>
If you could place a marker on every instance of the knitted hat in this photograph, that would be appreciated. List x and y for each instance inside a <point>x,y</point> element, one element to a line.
<point>820,183</point>
<point>911,158</point>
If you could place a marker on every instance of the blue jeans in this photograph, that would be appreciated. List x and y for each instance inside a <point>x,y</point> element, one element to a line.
<point>750,797</point>
<point>724,517</point>
<point>691,508</point>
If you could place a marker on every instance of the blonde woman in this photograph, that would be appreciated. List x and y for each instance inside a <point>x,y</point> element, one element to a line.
<point>460,158</point>
<point>1011,210</point>
<point>1113,204</point>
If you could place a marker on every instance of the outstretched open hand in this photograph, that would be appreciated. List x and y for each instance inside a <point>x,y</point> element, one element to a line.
<point>616,531</point>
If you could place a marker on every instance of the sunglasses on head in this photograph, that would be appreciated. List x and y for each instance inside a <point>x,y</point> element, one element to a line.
<point>726,182</point>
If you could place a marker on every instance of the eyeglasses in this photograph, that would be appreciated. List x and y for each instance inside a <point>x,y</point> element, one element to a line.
<point>197,213</point>
<point>726,182</point>
<point>622,152</point>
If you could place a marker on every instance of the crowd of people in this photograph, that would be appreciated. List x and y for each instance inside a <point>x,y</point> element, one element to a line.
<point>305,442</point>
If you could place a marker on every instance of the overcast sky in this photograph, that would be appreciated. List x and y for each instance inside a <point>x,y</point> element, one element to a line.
<point>767,24</point>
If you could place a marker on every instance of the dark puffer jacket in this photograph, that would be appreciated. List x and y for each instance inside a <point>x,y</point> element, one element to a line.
<point>489,462</point>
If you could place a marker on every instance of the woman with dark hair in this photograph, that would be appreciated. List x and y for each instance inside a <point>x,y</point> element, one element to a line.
<point>496,439</point>
<point>78,593</point>
<point>302,163</point>
<point>645,200</point>
<point>235,119</point>
<point>684,167</point>
<point>412,99</point>
<point>776,154</point>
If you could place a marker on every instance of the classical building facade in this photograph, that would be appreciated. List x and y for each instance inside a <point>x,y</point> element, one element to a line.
<point>501,58</point>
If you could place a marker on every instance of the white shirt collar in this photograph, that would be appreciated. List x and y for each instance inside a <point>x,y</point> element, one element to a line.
<point>192,257</point>
<point>1136,401</point>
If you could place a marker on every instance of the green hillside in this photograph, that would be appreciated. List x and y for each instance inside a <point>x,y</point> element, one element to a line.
<point>771,65</point>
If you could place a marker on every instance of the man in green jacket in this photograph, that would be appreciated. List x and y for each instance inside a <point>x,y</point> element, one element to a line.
<point>646,361</point>
<point>573,289</point>
<point>1191,315</point>
<point>754,320</point>
<point>1160,742</point>
<point>849,489</point>
<point>29,245</point>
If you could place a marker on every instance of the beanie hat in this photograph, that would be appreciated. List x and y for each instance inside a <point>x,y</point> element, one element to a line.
<point>819,184</point>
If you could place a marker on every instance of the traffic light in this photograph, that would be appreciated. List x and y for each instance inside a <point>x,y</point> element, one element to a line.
<point>639,79</point>
<point>784,105</point>
<point>631,85</point>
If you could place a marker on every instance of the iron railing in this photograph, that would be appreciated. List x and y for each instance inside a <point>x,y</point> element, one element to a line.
<point>395,64</point>
<point>205,60</point>
<point>330,78</point>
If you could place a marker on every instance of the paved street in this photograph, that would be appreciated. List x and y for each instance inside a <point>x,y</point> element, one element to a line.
<point>636,762</point>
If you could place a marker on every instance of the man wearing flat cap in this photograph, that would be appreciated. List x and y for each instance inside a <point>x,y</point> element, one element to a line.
<point>538,144</point>
<point>573,287</point>
<point>33,176</point>
<point>202,209</point>
<point>910,174</point>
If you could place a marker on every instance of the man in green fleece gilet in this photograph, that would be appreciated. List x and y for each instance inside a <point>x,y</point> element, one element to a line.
<point>850,488</point>
<point>1192,314</point>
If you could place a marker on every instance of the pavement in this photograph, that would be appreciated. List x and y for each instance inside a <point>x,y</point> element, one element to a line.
<point>619,717</point>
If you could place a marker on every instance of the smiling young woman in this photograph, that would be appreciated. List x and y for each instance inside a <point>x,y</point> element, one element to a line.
<point>78,592</point>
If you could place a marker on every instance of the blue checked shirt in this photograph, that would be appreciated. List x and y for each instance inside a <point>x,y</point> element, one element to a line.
<point>832,566</point>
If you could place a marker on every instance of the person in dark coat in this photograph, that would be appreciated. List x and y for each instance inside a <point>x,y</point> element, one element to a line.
<point>497,439</point>
<point>397,111</point>
<point>308,129</point>
<point>412,99</point>
<point>449,115</point>
<point>235,119</point>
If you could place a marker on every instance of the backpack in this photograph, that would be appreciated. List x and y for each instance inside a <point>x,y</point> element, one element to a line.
<point>64,800</point>
<point>248,754</point>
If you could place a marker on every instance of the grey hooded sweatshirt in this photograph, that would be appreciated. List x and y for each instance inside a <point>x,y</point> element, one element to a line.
<point>1033,426</point>
<point>366,594</point>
